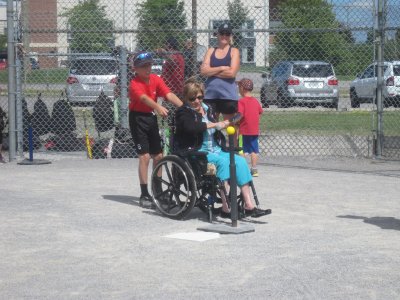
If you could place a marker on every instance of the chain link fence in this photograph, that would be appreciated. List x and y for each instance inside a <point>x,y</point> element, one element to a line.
<point>314,65</point>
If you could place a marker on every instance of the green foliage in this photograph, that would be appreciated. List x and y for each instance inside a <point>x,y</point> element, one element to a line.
<point>370,37</point>
<point>357,122</point>
<point>91,31</point>
<point>3,42</point>
<point>392,49</point>
<point>237,15</point>
<point>313,34</point>
<point>159,19</point>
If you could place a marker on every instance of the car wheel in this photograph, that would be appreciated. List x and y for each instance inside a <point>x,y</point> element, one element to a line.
<point>73,104</point>
<point>335,104</point>
<point>354,101</point>
<point>387,102</point>
<point>283,102</point>
<point>263,98</point>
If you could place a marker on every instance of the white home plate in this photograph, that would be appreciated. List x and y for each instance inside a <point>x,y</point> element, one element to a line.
<point>194,236</point>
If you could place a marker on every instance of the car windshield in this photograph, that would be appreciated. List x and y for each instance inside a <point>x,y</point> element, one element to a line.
<point>312,70</point>
<point>94,67</point>
<point>396,70</point>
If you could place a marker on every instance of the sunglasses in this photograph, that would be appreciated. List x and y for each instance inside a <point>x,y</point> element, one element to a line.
<point>225,33</point>
<point>194,98</point>
<point>143,56</point>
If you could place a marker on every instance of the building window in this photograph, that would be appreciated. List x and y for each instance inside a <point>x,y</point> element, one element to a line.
<point>249,25</point>
<point>250,54</point>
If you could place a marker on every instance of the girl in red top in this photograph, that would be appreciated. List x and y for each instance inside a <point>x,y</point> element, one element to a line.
<point>250,111</point>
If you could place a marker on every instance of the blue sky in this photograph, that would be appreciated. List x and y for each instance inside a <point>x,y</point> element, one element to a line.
<point>359,13</point>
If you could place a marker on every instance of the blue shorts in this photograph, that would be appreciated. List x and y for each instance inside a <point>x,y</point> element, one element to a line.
<point>250,144</point>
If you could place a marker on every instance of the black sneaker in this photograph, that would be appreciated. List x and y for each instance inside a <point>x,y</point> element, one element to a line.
<point>226,215</point>
<point>146,201</point>
<point>257,212</point>
<point>163,197</point>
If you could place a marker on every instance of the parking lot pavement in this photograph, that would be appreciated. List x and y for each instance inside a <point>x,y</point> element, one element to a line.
<point>73,229</point>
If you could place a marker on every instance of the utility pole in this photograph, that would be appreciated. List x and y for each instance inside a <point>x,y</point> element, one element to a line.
<point>193,62</point>
<point>11,79</point>
<point>380,35</point>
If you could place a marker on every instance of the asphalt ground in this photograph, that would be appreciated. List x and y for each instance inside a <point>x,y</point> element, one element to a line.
<point>73,229</point>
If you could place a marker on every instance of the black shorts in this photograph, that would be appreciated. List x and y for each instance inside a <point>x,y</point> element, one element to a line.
<point>223,106</point>
<point>145,132</point>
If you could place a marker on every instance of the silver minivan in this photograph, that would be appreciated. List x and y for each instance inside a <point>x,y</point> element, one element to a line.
<point>89,76</point>
<point>308,83</point>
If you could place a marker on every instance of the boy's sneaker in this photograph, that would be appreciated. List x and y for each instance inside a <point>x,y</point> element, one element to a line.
<point>146,201</point>
<point>254,172</point>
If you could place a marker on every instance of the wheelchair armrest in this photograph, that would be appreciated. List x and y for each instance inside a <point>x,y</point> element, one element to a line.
<point>190,152</point>
<point>236,150</point>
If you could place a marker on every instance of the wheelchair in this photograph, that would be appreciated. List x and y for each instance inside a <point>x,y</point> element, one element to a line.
<point>184,179</point>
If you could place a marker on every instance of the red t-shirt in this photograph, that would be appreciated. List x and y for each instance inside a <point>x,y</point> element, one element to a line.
<point>251,110</point>
<point>155,88</point>
<point>173,73</point>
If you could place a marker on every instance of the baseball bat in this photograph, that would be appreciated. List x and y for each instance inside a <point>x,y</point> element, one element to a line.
<point>87,139</point>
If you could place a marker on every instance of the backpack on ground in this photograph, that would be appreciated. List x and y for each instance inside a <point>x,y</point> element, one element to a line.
<point>62,118</point>
<point>99,148</point>
<point>4,137</point>
<point>103,113</point>
<point>66,142</point>
<point>41,120</point>
<point>123,150</point>
<point>3,118</point>
<point>121,146</point>
<point>26,123</point>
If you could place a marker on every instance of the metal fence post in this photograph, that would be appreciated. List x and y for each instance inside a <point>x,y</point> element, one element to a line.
<point>124,87</point>
<point>11,79</point>
<point>18,100</point>
<point>193,61</point>
<point>380,64</point>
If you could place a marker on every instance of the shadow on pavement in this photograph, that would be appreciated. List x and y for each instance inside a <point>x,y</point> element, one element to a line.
<point>382,222</point>
<point>194,214</point>
<point>123,199</point>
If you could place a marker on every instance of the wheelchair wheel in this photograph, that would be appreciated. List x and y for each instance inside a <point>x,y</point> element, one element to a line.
<point>174,192</point>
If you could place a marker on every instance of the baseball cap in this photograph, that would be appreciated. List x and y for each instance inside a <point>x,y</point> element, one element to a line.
<point>142,58</point>
<point>246,83</point>
<point>225,28</point>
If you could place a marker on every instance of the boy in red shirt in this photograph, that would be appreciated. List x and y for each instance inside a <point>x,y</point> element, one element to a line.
<point>250,110</point>
<point>144,89</point>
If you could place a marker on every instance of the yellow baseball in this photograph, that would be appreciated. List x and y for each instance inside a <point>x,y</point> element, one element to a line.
<point>230,130</point>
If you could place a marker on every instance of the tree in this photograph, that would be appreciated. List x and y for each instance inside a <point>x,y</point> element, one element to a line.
<point>311,32</point>
<point>370,37</point>
<point>397,36</point>
<point>91,31</point>
<point>159,19</point>
<point>347,34</point>
<point>237,16</point>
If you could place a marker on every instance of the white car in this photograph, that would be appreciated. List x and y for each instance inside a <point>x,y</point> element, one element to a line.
<point>363,88</point>
<point>89,76</point>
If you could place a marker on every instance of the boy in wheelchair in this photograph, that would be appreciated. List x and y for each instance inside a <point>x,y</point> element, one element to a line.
<point>195,129</point>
